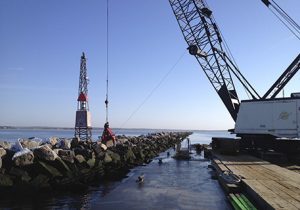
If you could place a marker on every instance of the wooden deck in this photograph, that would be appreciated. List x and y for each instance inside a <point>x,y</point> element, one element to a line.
<point>271,186</point>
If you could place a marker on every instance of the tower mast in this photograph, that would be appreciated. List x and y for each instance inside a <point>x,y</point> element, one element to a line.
<point>83,127</point>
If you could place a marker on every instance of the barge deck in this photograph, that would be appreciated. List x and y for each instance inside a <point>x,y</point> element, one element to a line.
<point>270,186</point>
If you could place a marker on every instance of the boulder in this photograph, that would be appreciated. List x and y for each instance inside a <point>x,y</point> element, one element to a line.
<point>103,146</point>
<point>86,153</point>
<point>5,181</point>
<point>75,142</point>
<point>109,143</point>
<point>91,162</point>
<point>114,156</point>
<point>107,158</point>
<point>67,155</point>
<point>50,170</point>
<point>80,159</point>
<point>99,150</point>
<point>2,152</point>
<point>40,181</point>
<point>122,140</point>
<point>65,144</point>
<point>53,140</point>
<point>129,157</point>
<point>5,144</point>
<point>45,153</point>
<point>21,174</point>
<point>23,158</point>
<point>57,151</point>
<point>62,166</point>
<point>29,143</point>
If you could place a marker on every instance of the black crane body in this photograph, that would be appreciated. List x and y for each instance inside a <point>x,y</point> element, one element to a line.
<point>258,119</point>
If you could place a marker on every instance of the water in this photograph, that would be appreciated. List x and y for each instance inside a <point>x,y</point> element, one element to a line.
<point>167,180</point>
<point>12,135</point>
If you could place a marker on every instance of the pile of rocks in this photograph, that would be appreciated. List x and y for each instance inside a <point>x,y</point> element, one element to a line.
<point>73,164</point>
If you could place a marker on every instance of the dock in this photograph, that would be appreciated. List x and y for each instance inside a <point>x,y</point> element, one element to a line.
<point>270,186</point>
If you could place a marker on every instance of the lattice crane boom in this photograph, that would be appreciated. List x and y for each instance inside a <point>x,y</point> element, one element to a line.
<point>205,43</point>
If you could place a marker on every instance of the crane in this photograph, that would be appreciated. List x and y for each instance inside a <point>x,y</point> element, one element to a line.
<point>260,118</point>
<point>206,44</point>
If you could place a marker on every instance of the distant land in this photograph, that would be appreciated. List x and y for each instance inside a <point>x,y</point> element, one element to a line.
<point>35,127</point>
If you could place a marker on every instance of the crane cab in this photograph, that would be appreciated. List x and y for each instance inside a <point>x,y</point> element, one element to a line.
<point>278,117</point>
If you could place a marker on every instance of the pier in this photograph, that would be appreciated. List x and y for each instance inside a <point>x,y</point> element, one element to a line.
<point>270,186</point>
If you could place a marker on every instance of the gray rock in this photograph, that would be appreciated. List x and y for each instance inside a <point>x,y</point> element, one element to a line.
<point>114,156</point>
<point>107,158</point>
<point>75,142</point>
<point>62,165</point>
<point>122,140</point>
<point>65,144</point>
<point>2,152</point>
<point>21,174</point>
<point>129,156</point>
<point>80,159</point>
<point>91,162</point>
<point>110,143</point>
<point>5,144</point>
<point>5,181</point>
<point>53,140</point>
<point>50,169</point>
<point>67,155</point>
<point>23,158</point>
<point>103,146</point>
<point>99,148</point>
<point>57,150</point>
<point>40,181</point>
<point>30,144</point>
<point>45,153</point>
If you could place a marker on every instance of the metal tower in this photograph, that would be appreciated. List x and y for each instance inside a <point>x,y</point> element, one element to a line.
<point>83,127</point>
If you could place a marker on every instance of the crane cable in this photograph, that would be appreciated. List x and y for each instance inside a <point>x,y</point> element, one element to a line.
<point>165,76</point>
<point>283,17</point>
<point>107,61</point>
<point>227,50</point>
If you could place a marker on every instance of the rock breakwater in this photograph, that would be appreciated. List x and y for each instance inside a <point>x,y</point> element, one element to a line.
<point>71,164</point>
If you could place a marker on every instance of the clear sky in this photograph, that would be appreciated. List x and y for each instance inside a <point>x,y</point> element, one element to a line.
<point>41,43</point>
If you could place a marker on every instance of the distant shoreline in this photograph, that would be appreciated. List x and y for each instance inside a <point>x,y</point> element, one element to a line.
<point>94,128</point>
<point>34,128</point>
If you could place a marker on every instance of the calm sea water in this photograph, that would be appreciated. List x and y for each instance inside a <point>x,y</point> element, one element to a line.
<point>104,193</point>
<point>11,135</point>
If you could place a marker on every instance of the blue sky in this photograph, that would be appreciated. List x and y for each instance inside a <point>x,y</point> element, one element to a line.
<point>42,41</point>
